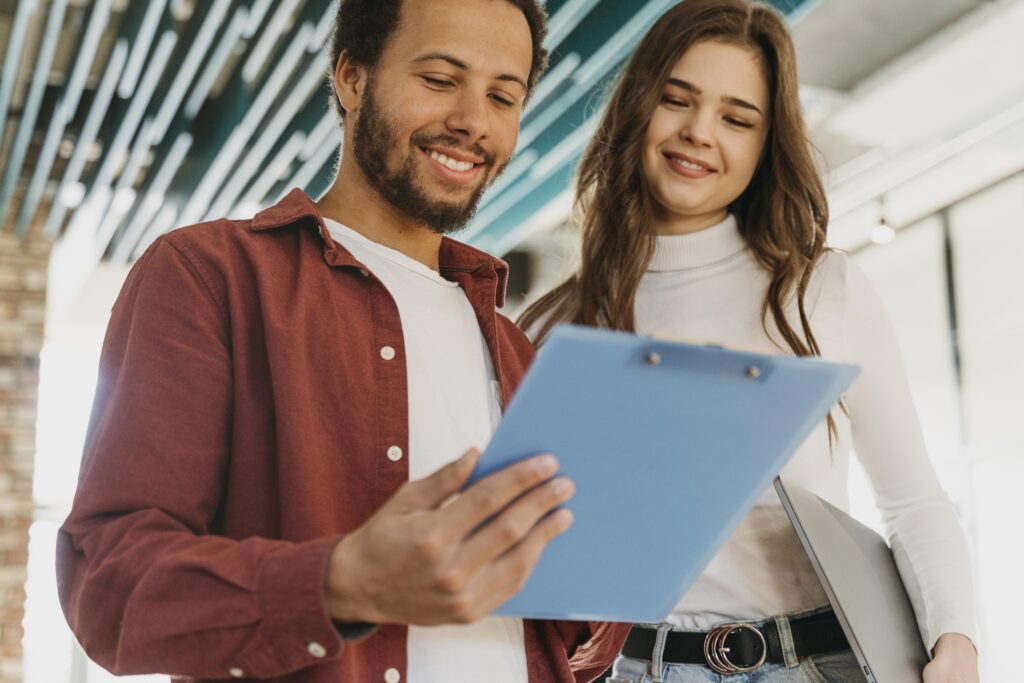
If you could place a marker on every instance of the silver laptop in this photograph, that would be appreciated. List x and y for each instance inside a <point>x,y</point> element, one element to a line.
<point>857,571</point>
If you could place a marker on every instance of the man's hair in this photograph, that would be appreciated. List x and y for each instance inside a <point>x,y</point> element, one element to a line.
<point>363,27</point>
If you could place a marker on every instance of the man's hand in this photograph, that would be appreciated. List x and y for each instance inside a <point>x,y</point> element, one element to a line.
<point>421,561</point>
<point>956,661</point>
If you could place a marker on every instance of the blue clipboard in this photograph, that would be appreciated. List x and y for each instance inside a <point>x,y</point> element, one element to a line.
<point>669,446</point>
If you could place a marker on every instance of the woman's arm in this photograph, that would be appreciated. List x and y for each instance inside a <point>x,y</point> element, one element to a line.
<point>927,541</point>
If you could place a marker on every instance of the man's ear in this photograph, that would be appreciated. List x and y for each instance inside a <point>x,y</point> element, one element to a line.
<point>349,82</point>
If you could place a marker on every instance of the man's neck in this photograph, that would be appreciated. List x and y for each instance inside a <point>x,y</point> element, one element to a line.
<point>355,203</point>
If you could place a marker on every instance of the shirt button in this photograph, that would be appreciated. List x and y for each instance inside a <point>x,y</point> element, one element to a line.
<point>394,454</point>
<point>387,352</point>
<point>392,676</point>
<point>236,672</point>
<point>317,650</point>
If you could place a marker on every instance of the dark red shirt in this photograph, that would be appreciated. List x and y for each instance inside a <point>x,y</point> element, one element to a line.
<point>241,426</point>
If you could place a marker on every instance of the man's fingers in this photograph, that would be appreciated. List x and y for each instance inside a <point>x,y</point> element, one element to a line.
<point>511,570</point>
<point>492,494</point>
<point>430,492</point>
<point>515,523</point>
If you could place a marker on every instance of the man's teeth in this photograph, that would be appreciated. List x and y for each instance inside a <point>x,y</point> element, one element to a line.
<point>453,164</point>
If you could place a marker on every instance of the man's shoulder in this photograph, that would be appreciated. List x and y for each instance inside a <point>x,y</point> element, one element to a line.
<point>226,244</point>
<point>218,239</point>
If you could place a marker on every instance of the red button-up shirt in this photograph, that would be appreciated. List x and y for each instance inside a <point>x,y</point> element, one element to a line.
<point>241,428</point>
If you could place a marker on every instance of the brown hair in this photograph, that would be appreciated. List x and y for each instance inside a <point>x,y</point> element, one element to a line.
<point>782,213</point>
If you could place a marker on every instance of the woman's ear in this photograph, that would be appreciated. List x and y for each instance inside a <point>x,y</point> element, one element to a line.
<point>349,82</point>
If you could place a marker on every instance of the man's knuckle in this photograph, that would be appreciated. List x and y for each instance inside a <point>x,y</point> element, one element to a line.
<point>461,609</point>
<point>450,582</point>
<point>430,545</point>
<point>509,530</point>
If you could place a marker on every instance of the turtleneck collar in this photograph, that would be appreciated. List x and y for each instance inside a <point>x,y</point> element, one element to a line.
<point>702,248</point>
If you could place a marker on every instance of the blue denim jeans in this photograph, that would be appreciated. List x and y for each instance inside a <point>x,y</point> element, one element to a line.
<point>832,667</point>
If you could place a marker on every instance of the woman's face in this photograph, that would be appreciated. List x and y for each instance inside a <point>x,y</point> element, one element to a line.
<point>705,138</point>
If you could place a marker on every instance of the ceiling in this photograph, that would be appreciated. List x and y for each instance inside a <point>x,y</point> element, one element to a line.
<point>122,119</point>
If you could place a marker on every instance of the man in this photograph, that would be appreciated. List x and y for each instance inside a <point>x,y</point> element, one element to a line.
<point>268,487</point>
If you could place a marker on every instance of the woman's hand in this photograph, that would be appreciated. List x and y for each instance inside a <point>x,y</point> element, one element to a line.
<point>956,661</point>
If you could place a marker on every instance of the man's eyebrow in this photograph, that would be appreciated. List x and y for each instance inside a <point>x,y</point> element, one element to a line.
<point>459,64</point>
<point>728,99</point>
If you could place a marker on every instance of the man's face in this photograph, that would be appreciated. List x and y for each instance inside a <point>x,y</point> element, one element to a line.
<point>439,116</point>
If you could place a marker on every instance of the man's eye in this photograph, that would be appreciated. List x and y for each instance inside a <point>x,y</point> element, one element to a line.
<point>503,101</point>
<point>440,83</point>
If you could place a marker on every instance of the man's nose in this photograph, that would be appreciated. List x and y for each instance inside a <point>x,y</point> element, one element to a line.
<point>469,116</point>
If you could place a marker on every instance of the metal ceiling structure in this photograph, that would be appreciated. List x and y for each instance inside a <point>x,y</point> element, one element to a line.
<point>121,119</point>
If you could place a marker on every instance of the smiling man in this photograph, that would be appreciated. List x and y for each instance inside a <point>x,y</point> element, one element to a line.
<point>288,405</point>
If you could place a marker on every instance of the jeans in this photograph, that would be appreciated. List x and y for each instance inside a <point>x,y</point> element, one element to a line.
<point>830,667</point>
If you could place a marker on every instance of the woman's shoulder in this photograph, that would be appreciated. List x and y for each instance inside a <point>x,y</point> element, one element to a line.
<point>838,274</point>
<point>847,288</point>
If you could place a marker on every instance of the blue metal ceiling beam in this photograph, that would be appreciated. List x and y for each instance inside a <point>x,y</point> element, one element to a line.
<point>154,198</point>
<point>34,100</point>
<point>268,39</point>
<point>91,128</point>
<point>140,48</point>
<point>129,125</point>
<point>257,154</point>
<point>235,31</point>
<point>12,59</point>
<point>64,112</point>
<point>225,162</point>
<point>186,72</point>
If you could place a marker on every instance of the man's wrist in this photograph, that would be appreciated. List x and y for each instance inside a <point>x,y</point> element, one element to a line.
<point>341,590</point>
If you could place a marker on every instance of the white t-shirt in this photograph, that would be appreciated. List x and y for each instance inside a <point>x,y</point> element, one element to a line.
<point>707,286</point>
<point>454,405</point>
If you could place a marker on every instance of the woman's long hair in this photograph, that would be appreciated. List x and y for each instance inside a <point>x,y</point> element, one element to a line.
<point>782,214</point>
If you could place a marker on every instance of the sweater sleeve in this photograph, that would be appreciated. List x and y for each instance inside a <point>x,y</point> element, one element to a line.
<point>926,538</point>
<point>145,585</point>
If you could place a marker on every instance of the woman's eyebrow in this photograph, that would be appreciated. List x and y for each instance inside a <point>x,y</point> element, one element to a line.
<point>728,99</point>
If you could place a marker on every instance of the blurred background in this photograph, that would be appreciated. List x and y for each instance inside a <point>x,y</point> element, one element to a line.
<point>121,119</point>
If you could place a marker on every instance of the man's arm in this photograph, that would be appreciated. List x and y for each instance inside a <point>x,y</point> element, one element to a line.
<point>144,585</point>
<point>147,588</point>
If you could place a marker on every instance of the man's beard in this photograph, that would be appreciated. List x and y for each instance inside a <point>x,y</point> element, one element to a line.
<point>374,138</point>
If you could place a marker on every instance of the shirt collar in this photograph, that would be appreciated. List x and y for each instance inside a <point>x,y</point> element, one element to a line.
<point>698,249</point>
<point>455,258</point>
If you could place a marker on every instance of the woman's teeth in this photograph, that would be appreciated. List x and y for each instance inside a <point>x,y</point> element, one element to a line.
<point>690,165</point>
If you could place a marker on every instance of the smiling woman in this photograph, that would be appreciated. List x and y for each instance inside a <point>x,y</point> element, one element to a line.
<point>702,104</point>
<point>703,217</point>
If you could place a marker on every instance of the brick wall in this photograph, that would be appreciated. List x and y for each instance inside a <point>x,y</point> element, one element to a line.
<point>22,310</point>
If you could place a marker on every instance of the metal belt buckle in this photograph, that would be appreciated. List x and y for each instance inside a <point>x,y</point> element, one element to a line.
<point>716,654</point>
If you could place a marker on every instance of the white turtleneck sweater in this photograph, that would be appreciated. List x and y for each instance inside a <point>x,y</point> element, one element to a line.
<point>707,287</point>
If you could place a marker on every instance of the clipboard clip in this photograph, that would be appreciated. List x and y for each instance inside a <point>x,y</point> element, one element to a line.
<point>750,372</point>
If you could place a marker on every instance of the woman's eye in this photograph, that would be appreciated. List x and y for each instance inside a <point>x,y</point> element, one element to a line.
<point>738,122</point>
<point>674,102</point>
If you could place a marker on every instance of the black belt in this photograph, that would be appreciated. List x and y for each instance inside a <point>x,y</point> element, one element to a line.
<point>740,647</point>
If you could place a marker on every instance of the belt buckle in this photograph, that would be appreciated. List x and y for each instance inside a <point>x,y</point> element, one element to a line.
<point>716,654</point>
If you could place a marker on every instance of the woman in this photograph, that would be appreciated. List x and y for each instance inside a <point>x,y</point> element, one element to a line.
<point>703,217</point>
